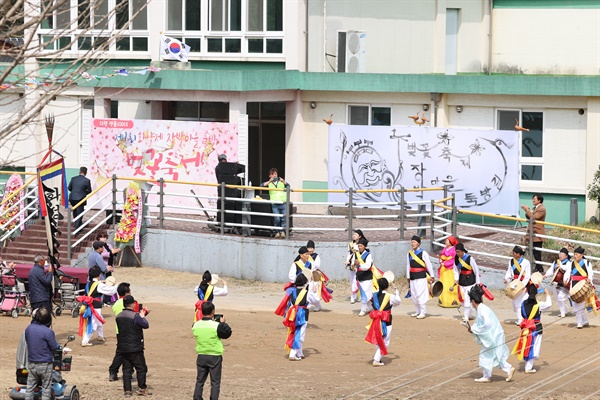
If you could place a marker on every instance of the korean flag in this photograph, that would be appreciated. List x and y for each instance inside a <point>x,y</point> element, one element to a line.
<point>173,49</point>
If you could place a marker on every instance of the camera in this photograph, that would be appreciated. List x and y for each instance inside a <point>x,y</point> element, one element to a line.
<point>218,317</point>
<point>276,179</point>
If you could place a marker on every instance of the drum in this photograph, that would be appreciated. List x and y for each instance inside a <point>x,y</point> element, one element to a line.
<point>514,289</point>
<point>581,291</point>
<point>558,277</point>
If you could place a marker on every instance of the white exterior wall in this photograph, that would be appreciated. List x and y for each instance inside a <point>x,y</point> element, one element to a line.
<point>547,41</point>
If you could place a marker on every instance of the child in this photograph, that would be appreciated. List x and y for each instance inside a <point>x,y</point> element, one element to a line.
<point>528,346</point>
<point>90,320</point>
<point>380,328</point>
<point>293,309</point>
<point>489,334</point>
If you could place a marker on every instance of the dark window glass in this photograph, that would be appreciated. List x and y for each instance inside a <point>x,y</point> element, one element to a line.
<point>186,109</point>
<point>255,45</point>
<point>214,111</point>
<point>235,21</point>
<point>194,44</point>
<point>123,44</point>
<point>275,46</point>
<point>47,23</point>
<point>531,172</point>
<point>174,8</point>
<point>359,115</point>
<point>215,45</point>
<point>233,45</point>
<point>272,111</point>
<point>275,15</point>
<point>114,109</point>
<point>46,42</point>
<point>192,15</point>
<point>101,43</point>
<point>253,110</point>
<point>140,44</point>
<point>85,43</point>
<point>507,120</point>
<point>64,42</point>
<point>381,116</point>
<point>122,13</point>
<point>83,14</point>
<point>532,144</point>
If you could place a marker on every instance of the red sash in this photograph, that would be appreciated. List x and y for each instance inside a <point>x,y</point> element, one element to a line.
<point>374,335</point>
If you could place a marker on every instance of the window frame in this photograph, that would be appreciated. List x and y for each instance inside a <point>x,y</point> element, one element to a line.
<point>370,112</point>
<point>523,160</point>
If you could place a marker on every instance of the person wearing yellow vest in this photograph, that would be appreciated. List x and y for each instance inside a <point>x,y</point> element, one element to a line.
<point>518,268</point>
<point>581,270</point>
<point>278,199</point>
<point>466,275</point>
<point>208,334</point>
<point>419,271</point>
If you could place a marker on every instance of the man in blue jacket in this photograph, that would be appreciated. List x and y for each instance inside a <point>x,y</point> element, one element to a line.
<point>41,344</point>
<point>79,187</point>
<point>40,284</point>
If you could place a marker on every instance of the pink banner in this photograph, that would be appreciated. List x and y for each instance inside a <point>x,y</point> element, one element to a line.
<point>154,149</point>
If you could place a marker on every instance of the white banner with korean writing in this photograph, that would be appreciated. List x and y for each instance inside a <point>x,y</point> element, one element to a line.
<point>480,167</point>
<point>154,149</point>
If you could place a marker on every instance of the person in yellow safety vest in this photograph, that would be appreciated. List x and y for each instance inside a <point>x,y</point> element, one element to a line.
<point>278,197</point>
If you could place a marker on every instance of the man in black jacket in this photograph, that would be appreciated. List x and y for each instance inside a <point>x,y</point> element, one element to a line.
<point>130,343</point>
<point>40,284</point>
<point>79,187</point>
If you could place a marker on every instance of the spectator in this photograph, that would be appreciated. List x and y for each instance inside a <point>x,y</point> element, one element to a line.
<point>108,251</point>
<point>130,343</point>
<point>80,187</point>
<point>209,347</point>
<point>278,197</point>
<point>41,345</point>
<point>222,159</point>
<point>124,289</point>
<point>538,214</point>
<point>95,260</point>
<point>40,284</point>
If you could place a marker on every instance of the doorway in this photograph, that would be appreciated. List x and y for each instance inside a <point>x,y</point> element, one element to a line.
<point>266,140</point>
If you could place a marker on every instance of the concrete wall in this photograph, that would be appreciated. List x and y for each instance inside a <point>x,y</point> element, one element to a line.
<point>254,258</point>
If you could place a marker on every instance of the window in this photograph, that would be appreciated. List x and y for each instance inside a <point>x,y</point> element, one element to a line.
<point>200,111</point>
<point>89,24</point>
<point>369,115</point>
<point>531,142</point>
<point>234,28</point>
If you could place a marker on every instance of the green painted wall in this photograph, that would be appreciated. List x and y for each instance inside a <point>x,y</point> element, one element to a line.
<point>307,196</point>
<point>546,4</point>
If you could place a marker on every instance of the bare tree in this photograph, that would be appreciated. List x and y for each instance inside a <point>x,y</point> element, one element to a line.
<point>46,45</point>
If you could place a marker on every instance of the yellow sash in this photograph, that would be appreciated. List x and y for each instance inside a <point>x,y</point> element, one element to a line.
<point>299,264</point>
<point>209,291</point>
<point>523,337</point>
<point>580,270</point>
<point>516,264</point>
<point>416,258</point>
<point>464,264</point>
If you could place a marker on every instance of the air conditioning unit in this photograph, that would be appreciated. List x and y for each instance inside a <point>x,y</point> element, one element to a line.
<point>351,51</point>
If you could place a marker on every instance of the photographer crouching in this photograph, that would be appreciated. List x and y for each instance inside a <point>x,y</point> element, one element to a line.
<point>209,331</point>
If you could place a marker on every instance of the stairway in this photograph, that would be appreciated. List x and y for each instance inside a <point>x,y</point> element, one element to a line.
<point>32,241</point>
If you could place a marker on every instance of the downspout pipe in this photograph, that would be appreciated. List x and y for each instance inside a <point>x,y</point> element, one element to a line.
<point>306,39</point>
<point>490,42</point>
<point>435,98</point>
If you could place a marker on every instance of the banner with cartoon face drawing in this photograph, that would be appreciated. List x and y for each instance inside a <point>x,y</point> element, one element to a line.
<point>481,168</point>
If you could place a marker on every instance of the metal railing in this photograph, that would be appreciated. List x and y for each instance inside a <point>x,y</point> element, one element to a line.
<point>436,219</point>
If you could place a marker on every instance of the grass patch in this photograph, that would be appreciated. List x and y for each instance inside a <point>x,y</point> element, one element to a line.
<point>572,236</point>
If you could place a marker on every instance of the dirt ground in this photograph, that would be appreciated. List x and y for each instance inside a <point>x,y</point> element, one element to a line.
<point>430,358</point>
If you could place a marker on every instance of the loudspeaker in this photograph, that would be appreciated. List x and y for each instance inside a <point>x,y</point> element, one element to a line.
<point>230,217</point>
<point>229,168</point>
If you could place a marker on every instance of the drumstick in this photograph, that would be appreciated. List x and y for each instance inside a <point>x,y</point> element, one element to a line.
<point>463,322</point>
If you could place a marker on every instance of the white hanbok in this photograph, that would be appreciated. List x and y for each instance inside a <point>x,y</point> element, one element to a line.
<point>366,287</point>
<point>524,277</point>
<point>350,255</point>
<point>561,292</point>
<point>96,324</point>
<point>489,334</point>
<point>579,308</point>
<point>419,290</point>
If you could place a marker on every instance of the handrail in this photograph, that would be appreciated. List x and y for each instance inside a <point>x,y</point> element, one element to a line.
<point>86,198</point>
<point>483,214</point>
<point>17,172</point>
<point>16,192</point>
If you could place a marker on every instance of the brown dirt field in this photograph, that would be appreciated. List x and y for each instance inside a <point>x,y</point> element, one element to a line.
<point>430,358</point>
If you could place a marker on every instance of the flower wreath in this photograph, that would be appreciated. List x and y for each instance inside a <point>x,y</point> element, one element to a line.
<point>131,224</point>
<point>9,209</point>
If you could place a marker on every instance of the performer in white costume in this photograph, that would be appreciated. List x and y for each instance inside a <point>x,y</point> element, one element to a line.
<point>419,271</point>
<point>518,268</point>
<point>561,289</point>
